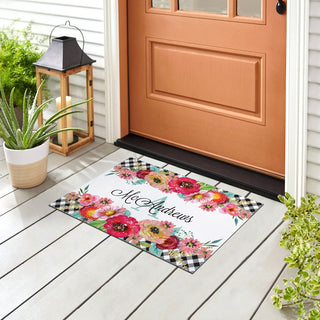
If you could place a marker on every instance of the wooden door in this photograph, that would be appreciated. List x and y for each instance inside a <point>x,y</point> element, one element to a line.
<point>209,76</point>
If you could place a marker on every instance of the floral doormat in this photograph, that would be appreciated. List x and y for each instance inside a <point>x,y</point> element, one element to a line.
<point>176,218</point>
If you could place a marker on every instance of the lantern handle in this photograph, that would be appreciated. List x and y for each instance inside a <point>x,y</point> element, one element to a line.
<point>68,24</point>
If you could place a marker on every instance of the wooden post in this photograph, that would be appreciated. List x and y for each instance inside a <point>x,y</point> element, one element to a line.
<point>63,93</point>
<point>39,99</point>
<point>90,113</point>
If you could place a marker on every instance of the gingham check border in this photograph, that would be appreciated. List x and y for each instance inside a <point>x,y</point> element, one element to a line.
<point>133,163</point>
<point>248,204</point>
<point>63,205</point>
<point>188,263</point>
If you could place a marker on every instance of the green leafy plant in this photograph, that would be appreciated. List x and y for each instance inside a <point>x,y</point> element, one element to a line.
<point>302,239</point>
<point>18,52</point>
<point>28,136</point>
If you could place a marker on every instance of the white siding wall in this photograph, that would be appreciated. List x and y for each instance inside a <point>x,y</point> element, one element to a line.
<point>88,16</point>
<point>313,165</point>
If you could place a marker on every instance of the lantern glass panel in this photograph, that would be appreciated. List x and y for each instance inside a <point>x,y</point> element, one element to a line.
<point>53,86</point>
<point>78,93</point>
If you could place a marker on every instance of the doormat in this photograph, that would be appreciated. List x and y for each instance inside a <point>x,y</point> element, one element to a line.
<point>174,217</point>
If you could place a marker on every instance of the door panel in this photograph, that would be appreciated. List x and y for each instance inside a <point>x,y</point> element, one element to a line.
<point>210,83</point>
<point>196,66</point>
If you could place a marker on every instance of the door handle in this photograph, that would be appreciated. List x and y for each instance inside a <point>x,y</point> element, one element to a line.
<point>281,7</point>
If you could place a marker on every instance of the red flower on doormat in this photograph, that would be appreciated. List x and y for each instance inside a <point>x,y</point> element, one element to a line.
<point>122,226</point>
<point>231,209</point>
<point>88,212</point>
<point>142,173</point>
<point>171,243</point>
<point>219,197</point>
<point>184,185</point>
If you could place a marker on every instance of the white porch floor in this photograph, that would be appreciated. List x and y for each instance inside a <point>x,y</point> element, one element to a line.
<point>53,266</point>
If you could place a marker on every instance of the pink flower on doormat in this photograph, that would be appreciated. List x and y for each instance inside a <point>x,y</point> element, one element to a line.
<point>122,226</point>
<point>154,231</point>
<point>134,238</point>
<point>88,199</point>
<point>219,197</point>
<point>169,244</point>
<point>168,225</point>
<point>204,252</point>
<point>117,168</point>
<point>102,202</point>
<point>209,206</point>
<point>72,196</point>
<point>165,189</point>
<point>169,174</point>
<point>126,174</point>
<point>142,173</point>
<point>107,212</point>
<point>245,214</point>
<point>184,185</point>
<point>231,209</point>
<point>88,212</point>
<point>157,180</point>
<point>190,246</point>
<point>200,196</point>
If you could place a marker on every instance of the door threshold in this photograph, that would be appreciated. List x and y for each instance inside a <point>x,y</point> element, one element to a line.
<point>243,178</point>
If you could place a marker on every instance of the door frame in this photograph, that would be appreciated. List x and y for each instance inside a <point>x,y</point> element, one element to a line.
<point>116,77</point>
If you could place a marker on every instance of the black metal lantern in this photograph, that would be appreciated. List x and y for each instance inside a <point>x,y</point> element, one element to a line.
<point>63,54</point>
<point>64,58</point>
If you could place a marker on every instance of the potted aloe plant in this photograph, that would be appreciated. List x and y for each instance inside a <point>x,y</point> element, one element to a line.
<point>26,148</point>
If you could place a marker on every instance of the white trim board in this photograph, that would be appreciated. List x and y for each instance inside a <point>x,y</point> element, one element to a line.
<point>296,88</point>
<point>112,71</point>
<point>297,97</point>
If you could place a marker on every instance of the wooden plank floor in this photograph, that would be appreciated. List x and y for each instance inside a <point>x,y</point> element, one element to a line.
<point>55,267</point>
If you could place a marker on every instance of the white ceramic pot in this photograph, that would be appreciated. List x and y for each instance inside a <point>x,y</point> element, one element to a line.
<point>27,168</point>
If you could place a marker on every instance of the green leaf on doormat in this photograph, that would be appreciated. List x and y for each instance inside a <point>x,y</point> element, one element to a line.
<point>127,213</point>
<point>98,224</point>
<point>204,186</point>
<point>144,244</point>
<point>154,250</point>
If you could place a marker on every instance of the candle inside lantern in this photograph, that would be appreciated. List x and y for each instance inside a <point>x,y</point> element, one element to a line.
<point>68,120</point>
